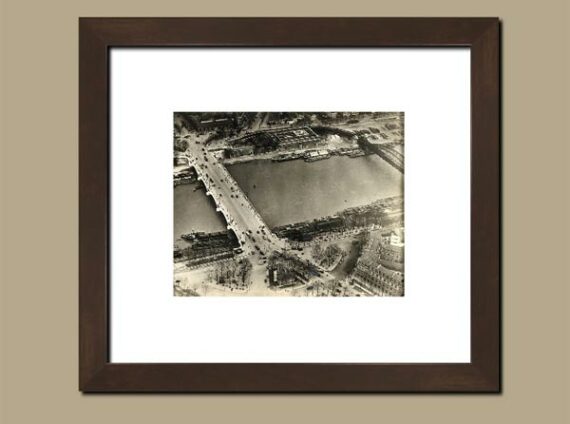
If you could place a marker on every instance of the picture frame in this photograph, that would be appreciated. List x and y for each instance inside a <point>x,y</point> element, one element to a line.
<point>98,374</point>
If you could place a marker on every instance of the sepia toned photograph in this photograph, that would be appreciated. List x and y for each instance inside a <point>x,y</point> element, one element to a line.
<point>289,204</point>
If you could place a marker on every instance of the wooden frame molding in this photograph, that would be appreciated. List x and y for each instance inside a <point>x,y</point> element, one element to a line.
<point>98,35</point>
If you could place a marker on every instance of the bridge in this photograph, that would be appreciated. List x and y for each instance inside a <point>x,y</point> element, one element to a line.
<point>386,151</point>
<point>253,234</point>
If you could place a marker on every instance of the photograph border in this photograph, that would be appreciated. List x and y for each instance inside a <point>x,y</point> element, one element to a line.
<point>98,374</point>
<point>348,139</point>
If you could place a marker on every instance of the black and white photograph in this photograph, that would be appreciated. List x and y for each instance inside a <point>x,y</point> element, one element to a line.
<point>289,204</point>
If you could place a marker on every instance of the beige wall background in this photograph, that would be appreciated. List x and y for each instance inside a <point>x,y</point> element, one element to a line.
<point>39,216</point>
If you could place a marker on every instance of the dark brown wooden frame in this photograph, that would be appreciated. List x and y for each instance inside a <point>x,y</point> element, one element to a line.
<point>98,35</point>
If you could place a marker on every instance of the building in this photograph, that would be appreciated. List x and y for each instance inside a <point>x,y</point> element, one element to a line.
<point>210,121</point>
<point>381,280</point>
<point>380,266</point>
<point>213,123</point>
<point>392,246</point>
<point>294,137</point>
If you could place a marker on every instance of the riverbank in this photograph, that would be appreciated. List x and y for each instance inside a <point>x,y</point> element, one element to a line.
<point>328,146</point>
<point>386,212</point>
<point>308,155</point>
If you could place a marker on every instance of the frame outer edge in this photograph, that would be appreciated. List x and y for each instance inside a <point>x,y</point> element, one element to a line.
<point>98,375</point>
<point>486,217</point>
<point>93,201</point>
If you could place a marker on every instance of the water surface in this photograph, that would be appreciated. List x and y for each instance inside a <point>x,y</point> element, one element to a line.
<point>295,191</point>
<point>194,211</point>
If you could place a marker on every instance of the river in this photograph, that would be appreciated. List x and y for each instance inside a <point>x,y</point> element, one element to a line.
<point>292,191</point>
<point>194,211</point>
<point>295,191</point>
